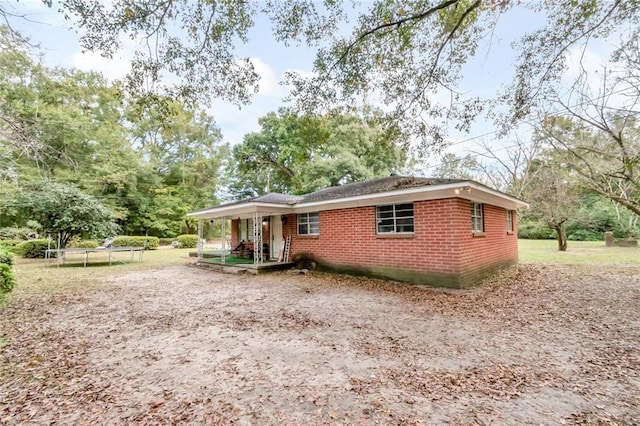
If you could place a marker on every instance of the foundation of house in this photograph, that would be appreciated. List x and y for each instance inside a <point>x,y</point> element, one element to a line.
<point>238,268</point>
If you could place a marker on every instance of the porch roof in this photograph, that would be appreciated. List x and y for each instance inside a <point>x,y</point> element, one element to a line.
<point>387,190</point>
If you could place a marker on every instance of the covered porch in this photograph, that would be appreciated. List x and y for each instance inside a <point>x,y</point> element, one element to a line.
<point>257,241</point>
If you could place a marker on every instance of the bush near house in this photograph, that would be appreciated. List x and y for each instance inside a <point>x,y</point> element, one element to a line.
<point>6,257</point>
<point>7,281</point>
<point>21,234</point>
<point>9,245</point>
<point>84,244</point>
<point>187,240</point>
<point>34,249</point>
<point>149,243</point>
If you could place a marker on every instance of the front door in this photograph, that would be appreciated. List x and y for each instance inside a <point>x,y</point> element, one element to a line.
<point>276,236</point>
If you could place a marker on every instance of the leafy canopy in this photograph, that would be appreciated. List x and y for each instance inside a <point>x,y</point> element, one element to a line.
<point>296,153</point>
<point>404,52</point>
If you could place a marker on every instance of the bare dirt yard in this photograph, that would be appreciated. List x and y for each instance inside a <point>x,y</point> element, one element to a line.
<point>184,345</point>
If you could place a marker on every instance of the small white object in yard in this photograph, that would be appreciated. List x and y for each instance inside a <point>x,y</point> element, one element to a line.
<point>176,244</point>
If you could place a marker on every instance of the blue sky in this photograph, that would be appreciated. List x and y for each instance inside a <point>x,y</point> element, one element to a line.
<point>484,76</point>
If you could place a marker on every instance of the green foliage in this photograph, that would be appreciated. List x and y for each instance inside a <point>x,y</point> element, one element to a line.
<point>584,235</point>
<point>302,153</point>
<point>64,210</point>
<point>407,53</point>
<point>150,159</point>
<point>149,243</point>
<point>10,233</point>
<point>84,244</point>
<point>187,241</point>
<point>7,280</point>
<point>6,257</point>
<point>534,230</point>
<point>165,241</point>
<point>34,249</point>
<point>9,245</point>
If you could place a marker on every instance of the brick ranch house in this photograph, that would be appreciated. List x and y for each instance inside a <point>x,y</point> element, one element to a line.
<point>441,232</point>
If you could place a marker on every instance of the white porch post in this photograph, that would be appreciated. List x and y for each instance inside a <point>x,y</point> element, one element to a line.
<point>200,240</point>
<point>257,238</point>
<point>223,237</point>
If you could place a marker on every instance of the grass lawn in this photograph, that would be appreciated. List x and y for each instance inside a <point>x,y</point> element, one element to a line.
<point>36,279</point>
<point>593,252</point>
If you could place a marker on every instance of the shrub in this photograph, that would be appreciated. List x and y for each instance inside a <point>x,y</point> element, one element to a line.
<point>6,257</point>
<point>584,235</point>
<point>535,231</point>
<point>17,233</point>
<point>149,243</point>
<point>187,240</point>
<point>9,245</point>
<point>33,249</point>
<point>166,241</point>
<point>84,244</point>
<point>7,281</point>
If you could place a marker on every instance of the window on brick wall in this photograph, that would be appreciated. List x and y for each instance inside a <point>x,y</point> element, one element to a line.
<point>309,224</point>
<point>477,219</point>
<point>509,220</point>
<point>395,219</point>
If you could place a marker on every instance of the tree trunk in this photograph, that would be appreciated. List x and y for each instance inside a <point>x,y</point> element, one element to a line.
<point>561,235</point>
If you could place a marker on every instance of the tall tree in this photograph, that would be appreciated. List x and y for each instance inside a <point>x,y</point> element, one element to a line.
<point>597,132</point>
<point>302,153</point>
<point>149,160</point>
<point>553,195</point>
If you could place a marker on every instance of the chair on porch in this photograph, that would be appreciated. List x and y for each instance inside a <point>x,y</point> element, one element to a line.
<point>243,249</point>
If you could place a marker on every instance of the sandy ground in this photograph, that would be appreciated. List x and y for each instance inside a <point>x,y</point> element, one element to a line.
<point>540,345</point>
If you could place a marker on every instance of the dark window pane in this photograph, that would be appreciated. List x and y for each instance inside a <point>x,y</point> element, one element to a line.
<point>404,213</point>
<point>383,229</point>
<point>405,228</point>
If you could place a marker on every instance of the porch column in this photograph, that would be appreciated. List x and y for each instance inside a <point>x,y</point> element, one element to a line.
<point>257,238</point>
<point>223,237</point>
<point>200,241</point>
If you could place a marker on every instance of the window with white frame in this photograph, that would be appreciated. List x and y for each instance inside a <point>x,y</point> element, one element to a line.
<point>309,224</point>
<point>477,221</point>
<point>509,220</point>
<point>395,219</point>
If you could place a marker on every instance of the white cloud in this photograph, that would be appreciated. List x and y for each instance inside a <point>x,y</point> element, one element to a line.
<point>113,69</point>
<point>269,82</point>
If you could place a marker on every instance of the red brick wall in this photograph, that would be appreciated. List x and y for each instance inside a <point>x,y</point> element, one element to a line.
<point>442,246</point>
<point>492,249</point>
<point>235,238</point>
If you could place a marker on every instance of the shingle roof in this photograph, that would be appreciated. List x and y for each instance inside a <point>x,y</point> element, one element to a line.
<point>374,186</point>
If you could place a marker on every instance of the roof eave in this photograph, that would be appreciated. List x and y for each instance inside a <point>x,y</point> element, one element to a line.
<point>241,209</point>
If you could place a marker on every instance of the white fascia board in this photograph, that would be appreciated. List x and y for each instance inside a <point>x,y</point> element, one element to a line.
<point>241,209</point>
<point>476,193</point>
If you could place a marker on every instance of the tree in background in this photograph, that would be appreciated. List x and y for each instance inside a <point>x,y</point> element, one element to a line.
<point>553,195</point>
<point>149,160</point>
<point>302,153</point>
<point>452,166</point>
<point>62,210</point>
